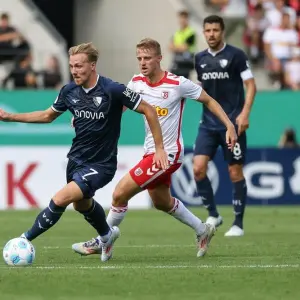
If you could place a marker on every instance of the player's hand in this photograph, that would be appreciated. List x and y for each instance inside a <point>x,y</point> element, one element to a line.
<point>231,137</point>
<point>161,159</point>
<point>4,116</point>
<point>242,122</point>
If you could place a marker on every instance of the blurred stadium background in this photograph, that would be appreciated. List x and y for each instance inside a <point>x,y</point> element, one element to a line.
<point>34,39</point>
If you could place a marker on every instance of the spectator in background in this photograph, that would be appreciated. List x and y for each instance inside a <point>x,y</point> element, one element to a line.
<point>256,25</point>
<point>288,139</point>
<point>278,45</point>
<point>298,28</point>
<point>23,75</point>
<point>183,46</point>
<point>51,75</point>
<point>292,71</point>
<point>12,44</point>
<point>274,16</point>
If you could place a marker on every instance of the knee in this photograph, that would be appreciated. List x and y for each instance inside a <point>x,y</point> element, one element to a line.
<point>119,198</point>
<point>199,171</point>
<point>236,173</point>
<point>82,205</point>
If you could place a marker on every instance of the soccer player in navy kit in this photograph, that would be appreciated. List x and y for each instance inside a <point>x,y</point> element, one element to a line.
<point>96,103</point>
<point>223,70</point>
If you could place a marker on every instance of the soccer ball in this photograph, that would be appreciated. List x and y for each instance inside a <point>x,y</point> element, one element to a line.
<point>18,252</point>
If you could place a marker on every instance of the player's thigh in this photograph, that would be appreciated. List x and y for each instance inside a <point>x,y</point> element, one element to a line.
<point>90,178</point>
<point>147,175</point>
<point>125,190</point>
<point>68,194</point>
<point>238,155</point>
<point>161,196</point>
<point>200,165</point>
<point>206,142</point>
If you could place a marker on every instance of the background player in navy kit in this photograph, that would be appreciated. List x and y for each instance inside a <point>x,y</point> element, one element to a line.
<point>223,70</point>
<point>96,103</point>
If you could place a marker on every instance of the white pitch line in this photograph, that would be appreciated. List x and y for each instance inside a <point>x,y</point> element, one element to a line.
<point>119,267</point>
<point>131,246</point>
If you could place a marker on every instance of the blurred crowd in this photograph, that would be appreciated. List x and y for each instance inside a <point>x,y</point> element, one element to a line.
<point>16,56</point>
<point>273,38</point>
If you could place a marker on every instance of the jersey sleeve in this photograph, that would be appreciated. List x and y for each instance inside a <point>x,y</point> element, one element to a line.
<point>59,104</point>
<point>243,66</point>
<point>127,96</point>
<point>197,68</point>
<point>189,89</point>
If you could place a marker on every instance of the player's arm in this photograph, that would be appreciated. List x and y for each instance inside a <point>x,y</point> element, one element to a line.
<point>189,89</point>
<point>243,68</point>
<point>44,116</point>
<point>133,101</point>
<point>152,119</point>
<point>218,111</point>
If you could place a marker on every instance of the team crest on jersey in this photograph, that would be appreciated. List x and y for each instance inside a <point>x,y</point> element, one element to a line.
<point>165,95</point>
<point>97,100</point>
<point>138,172</point>
<point>223,63</point>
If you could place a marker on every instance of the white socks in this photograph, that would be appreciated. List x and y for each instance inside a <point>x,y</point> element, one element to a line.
<point>181,213</point>
<point>115,216</point>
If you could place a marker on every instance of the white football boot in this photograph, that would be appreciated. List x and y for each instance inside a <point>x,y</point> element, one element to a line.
<point>204,239</point>
<point>92,246</point>
<point>107,248</point>
<point>215,221</point>
<point>235,231</point>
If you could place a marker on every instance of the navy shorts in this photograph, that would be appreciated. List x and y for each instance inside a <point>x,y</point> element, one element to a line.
<point>89,177</point>
<point>208,141</point>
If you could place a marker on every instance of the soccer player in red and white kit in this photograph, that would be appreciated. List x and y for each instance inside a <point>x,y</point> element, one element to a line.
<point>167,93</point>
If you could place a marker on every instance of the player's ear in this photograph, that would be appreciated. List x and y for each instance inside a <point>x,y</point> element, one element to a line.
<point>93,66</point>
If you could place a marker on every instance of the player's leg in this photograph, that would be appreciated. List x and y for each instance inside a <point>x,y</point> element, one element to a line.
<point>235,160</point>
<point>51,214</point>
<point>90,179</point>
<point>162,200</point>
<point>123,192</point>
<point>205,148</point>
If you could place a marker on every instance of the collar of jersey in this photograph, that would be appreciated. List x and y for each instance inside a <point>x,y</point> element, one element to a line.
<point>157,83</point>
<point>216,52</point>
<point>89,89</point>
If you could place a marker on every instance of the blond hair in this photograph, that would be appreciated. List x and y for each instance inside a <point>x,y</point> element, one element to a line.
<point>149,44</point>
<point>87,48</point>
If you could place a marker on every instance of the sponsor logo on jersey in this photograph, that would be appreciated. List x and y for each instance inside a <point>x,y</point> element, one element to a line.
<point>215,75</point>
<point>138,172</point>
<point>161,112</point>
<point>85,114</point>
<point>223,63</point>
<point>165,95</point>
<point>97,101</point>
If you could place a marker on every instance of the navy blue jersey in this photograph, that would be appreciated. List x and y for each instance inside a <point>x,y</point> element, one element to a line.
<point>222,75</point>
<point>97,118</point>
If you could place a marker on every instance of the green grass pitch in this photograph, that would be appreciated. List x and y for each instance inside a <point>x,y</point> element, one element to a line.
<point>155,258</point>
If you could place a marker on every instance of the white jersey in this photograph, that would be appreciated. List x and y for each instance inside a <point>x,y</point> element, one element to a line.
<point>168,97</point>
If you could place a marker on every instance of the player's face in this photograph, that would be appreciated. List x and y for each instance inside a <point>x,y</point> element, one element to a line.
<point>213,34</point>
<point>149,61</point>
<point>81,68</point>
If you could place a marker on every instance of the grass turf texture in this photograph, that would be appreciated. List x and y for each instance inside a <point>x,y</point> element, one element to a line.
<point>155,258</point>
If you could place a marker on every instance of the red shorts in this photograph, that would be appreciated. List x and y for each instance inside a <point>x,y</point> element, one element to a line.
<point>148,176</point>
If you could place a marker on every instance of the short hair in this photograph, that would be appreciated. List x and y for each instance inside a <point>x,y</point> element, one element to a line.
<point>214,19</point>
<point>4,16</point>
<point>149,44</point>
<point>183,13</point>
<point>87,48</point>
